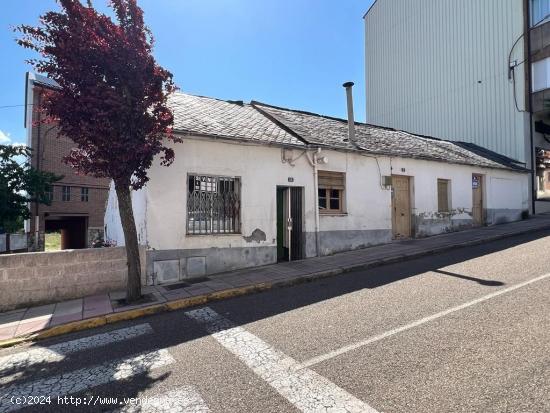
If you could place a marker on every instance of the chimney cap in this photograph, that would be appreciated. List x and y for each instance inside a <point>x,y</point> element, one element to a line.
<point>348,84</point>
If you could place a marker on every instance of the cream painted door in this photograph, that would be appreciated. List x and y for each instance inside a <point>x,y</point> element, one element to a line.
<point>477,199</point>
<point>401,206</point>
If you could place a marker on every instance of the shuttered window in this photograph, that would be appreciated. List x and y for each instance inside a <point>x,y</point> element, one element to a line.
<point>443,204</point>
<point>331,192</point>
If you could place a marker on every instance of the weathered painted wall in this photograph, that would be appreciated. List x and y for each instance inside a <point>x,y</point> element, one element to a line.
<point>440,68</point>
<point>112,225</point>
<point>505,195</point>
<point>44,277</point>
<point>366,220</point>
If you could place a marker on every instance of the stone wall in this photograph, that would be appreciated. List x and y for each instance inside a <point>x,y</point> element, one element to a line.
<point>45,277</point>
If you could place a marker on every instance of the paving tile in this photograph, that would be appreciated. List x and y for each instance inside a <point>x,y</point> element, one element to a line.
<point>217,285</point>
<point>239,282</point>
<point>12,317</point>
<point>8,332</point>
<point>97,305</point>
<point>176,294</point>
<point>117,295</point>
<point>43,311</point>
<point>66,318</point>
<point>197,289</point>
<point>28,327</point>
<point>68,307</point>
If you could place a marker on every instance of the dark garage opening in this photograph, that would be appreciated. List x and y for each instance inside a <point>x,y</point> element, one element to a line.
<point>73,231</point>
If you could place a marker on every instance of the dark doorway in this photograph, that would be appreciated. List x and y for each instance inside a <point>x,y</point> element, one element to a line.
<point>290,245</point>
<point>73,231</point>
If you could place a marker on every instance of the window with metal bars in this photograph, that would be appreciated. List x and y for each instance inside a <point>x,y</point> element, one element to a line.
<point>213,205</point>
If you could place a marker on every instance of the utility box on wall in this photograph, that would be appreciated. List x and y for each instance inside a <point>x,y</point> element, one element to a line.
<point>386,181</point>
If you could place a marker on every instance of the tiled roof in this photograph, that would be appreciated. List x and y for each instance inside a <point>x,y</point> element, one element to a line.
<point>333,132</point>
<point>262,123</point>
<point>219,118</point>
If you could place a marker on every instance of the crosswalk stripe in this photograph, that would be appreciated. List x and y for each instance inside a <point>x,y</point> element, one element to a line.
<point>305,389</point>
<point>184,400</point>
<point>85,378</point>
<point>13,363</point>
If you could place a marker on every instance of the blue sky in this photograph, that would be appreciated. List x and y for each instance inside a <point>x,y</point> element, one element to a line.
<point>292,53</point>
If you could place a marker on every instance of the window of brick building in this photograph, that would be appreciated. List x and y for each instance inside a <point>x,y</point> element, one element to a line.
<point>213,205</point>
<point>49,193</point>
<point>84,194</point>
<point>331,192</point>
<point>65,193</point>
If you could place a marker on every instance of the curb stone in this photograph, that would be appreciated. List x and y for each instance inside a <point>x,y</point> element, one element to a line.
<point>175,305</point>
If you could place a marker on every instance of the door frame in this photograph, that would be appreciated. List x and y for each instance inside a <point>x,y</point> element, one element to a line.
<point>483,200</point>
<point>393,215</point>
<point>296,237</point>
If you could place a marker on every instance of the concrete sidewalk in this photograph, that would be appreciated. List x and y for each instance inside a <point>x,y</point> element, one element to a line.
<point>58,318</point>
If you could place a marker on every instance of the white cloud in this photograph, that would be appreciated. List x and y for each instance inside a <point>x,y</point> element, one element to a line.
<point>4,137</point>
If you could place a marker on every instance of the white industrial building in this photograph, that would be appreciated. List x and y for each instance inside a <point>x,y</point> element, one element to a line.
<point>469,70</point>
<point>253,184</point>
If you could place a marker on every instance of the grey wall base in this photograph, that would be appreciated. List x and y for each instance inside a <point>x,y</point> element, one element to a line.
<point>502,216</point>
<point>332,242</point>
<point>165,266</point>
<point>426,227</point>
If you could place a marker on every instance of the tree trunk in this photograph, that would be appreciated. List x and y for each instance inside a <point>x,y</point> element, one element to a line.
<point>133,289</point>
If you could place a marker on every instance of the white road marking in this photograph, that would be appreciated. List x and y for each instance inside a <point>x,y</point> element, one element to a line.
<point>184,400</point>
<point>83,379</point>
<point>16,363</point>
<point>348,348</point>
<point>304,388</point>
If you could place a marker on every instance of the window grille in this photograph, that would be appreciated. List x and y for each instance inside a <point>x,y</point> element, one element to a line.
<point>213,205</point>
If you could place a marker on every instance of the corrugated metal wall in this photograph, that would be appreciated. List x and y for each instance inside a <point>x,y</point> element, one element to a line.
<point>439,68</point>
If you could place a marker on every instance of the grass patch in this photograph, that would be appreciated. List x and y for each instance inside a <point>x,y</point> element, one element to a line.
<point>53,241</point>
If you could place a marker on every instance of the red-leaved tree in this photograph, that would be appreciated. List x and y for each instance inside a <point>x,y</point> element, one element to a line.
<point>111,101</point>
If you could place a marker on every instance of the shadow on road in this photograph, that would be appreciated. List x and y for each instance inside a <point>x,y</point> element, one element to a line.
<point>481,281</point>
<point>174,328</point>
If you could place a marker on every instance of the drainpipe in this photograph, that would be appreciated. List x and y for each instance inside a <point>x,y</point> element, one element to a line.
<point>351,120</point>
<point>529,82</point>
<point>313,163</point>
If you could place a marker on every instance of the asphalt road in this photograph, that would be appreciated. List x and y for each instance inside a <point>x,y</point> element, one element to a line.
<point>464,331</point>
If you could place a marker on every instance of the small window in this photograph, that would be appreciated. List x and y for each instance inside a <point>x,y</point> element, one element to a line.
<point>331,192</point>
<point>443,196</point>
<point>66,193</point>
<point>540,9</point>
<point>541,74</point>
<point>49,194</point>
<point>84,194</point>
<point>213,205</point>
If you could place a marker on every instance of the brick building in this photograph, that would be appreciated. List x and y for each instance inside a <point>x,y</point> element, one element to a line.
<point>77,201</point>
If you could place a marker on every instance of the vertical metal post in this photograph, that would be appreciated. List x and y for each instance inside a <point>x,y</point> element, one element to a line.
<point>289,224</point>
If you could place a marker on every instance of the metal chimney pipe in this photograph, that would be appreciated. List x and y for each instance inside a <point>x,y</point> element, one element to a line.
<point>351,120</point>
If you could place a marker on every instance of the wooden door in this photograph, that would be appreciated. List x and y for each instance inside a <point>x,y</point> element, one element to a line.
<point>401,206</point>
<point>477,199</point>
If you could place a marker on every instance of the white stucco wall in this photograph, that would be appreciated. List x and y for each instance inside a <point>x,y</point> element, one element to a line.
<point>261,171</point>
<point>113,227</point>
<point>160,208</point>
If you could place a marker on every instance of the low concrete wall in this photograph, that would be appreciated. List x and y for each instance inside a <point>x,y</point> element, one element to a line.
<point>45,277</point>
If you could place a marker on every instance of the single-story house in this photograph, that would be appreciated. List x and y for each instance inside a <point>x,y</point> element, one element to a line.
<point>253,184</point>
